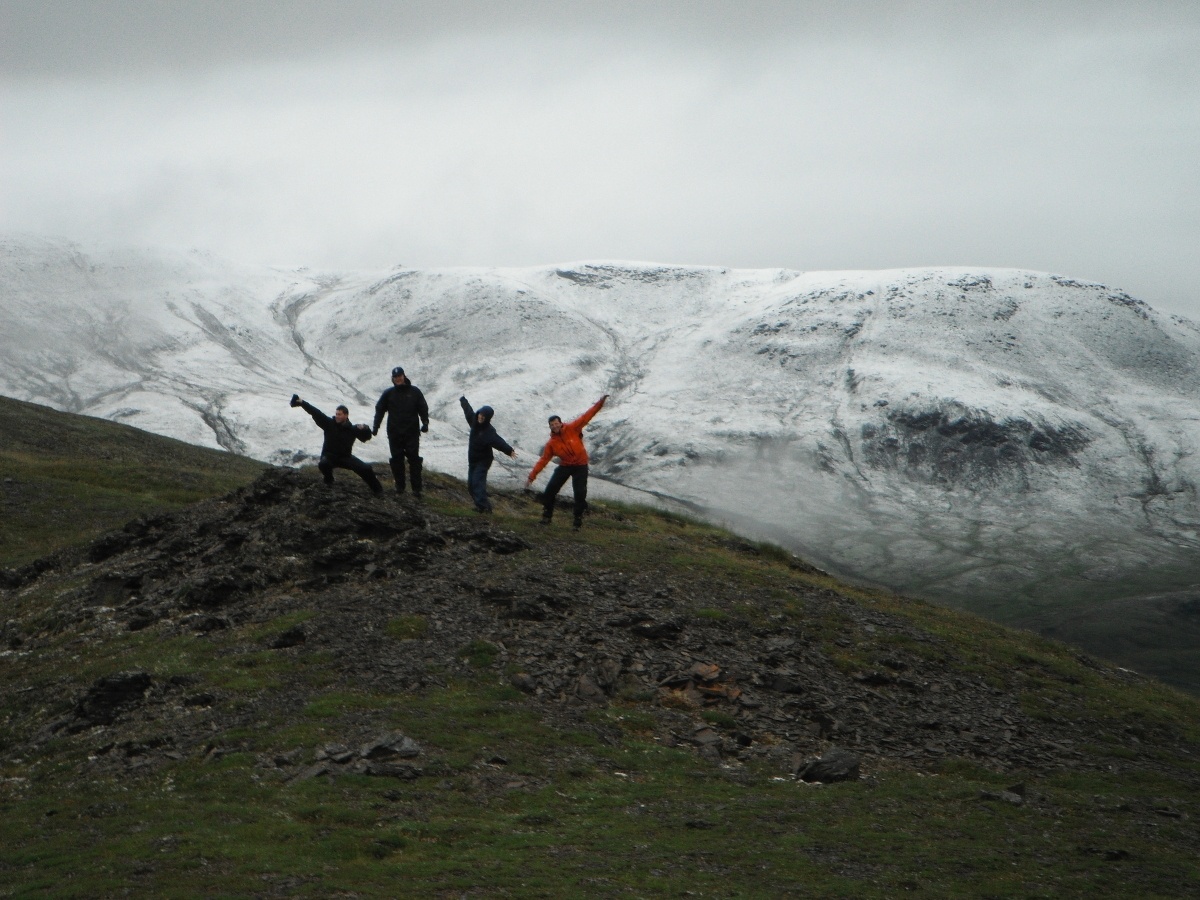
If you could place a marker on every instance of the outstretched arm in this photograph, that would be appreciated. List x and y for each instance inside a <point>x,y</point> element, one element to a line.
<point>319,417</point>
<point>587,416</point>
<point>467,411</point>
<point>499,443</point>
<point>547,455</point>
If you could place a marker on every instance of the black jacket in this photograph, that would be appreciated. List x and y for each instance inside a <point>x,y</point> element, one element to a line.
<point>339,437</point>
<point>405,407</point>
<point>483,436</point>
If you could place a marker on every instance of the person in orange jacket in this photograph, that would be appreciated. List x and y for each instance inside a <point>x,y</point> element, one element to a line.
<point>566,442</point>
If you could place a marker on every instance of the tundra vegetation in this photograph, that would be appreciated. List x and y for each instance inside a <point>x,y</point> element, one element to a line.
<point>229,680</point>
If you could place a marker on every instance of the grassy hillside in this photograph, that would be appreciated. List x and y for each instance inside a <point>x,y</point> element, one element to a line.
<point>66,478</point>
<point>300,691</point>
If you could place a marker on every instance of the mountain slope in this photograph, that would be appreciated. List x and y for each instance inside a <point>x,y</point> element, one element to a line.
<point>296,690</point>
<point>1020,444</point>
<point>66,478</point>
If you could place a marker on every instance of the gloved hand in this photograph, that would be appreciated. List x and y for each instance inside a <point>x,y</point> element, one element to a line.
<point>375,431</point>
<point>295,399</point>
<point>424,428</point>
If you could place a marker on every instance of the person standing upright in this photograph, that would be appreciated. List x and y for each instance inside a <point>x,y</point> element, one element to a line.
<point>484,439</point>
<point>566,442</point>
<point>408,418</point>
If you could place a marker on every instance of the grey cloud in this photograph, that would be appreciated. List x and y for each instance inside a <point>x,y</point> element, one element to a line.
<point>1054,136</point>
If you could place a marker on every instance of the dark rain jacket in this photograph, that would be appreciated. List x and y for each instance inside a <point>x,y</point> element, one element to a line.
<point>484,438</point>
<point>339,436</point>
<point>406,409</point>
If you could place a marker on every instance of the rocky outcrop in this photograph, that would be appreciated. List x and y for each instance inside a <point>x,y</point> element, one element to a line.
<point>394,596</point>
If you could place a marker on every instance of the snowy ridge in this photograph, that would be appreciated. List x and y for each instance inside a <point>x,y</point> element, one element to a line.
<point>1006,439</point>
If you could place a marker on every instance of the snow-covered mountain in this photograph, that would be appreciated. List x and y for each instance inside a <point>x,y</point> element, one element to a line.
<point>1014,442</point>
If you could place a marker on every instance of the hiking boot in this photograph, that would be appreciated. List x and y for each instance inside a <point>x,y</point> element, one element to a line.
<point>543,521</point>
<point>577,524</point>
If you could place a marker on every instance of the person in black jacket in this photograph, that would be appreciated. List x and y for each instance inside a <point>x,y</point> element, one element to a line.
<point>406,409</point>
<point>337,451</point>
<point>484,440</point>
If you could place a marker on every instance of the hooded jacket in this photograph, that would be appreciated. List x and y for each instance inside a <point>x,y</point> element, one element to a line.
<point>339,436</point>
<point>567,445</point>
<point>405,407</point>
<point>484,438</point>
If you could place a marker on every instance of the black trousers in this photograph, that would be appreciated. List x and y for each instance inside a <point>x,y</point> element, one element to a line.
<point>406,446</point>
<point>363,470</point>
<point>578,476</point>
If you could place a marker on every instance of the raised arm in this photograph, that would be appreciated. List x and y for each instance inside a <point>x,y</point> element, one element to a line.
<point>467,411</point>
<point>587,416</point>
<point>319,417</point>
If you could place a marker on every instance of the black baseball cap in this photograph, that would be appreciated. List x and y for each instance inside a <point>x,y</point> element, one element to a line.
<point>397,371</point>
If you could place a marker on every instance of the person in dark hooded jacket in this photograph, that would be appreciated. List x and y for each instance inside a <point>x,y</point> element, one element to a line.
<point>408,418</point>
<point>337,452</point>
<point>484,440</point>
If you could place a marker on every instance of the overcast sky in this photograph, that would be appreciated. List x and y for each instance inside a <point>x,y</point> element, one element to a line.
<point>1052,135</point>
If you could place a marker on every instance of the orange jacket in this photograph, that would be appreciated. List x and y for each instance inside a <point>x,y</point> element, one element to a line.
<point>567,445</point>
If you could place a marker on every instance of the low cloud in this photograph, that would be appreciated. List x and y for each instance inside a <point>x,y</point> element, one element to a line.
<point>1061,140</point>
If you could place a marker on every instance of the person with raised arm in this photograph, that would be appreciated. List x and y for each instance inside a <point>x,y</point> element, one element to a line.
<point>484,440</point>
<point>566,442</point>
<point>337,452</point>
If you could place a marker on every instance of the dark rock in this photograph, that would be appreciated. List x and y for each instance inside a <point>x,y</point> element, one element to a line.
<point>524,682</point>
<point>503,542</point>
<point>109,545</point>
<point>337,753</point>
<point>142,617</point>
<point>210,590</point>
<point>875,679</point>
<point>1002,797</point>
<point>835,765</point>
<point>785,684</point>
<point>390,746</point>
<point>658,631</point>
<point>529,610</point>
<point>403,771</point>
<point>587,689</point>
<point>292,637</point>
<point>108,696</point>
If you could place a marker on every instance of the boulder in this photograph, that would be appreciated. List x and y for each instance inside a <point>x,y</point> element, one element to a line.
<point>835,765</point>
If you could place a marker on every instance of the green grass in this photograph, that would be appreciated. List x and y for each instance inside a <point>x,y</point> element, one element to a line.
<point>407,627</point>
<point>513,804</point>
<point>630,816</point>
<point>67,479</point>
